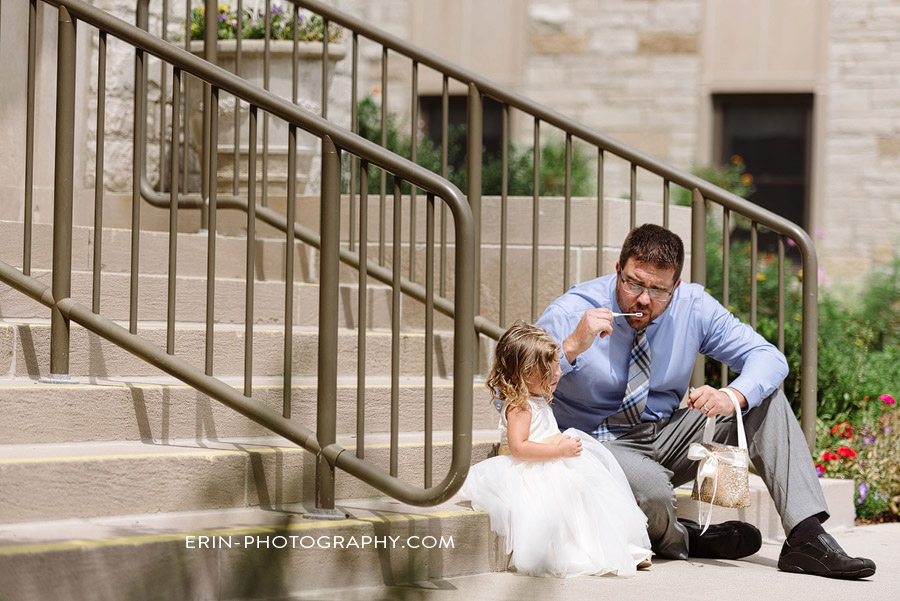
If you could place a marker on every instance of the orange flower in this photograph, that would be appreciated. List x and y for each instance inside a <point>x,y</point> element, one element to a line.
<point>736,159</point>
<point>746,179</point>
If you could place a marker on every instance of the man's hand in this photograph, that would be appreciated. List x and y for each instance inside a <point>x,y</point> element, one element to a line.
<point>712,402</point>
<point>594,322</point>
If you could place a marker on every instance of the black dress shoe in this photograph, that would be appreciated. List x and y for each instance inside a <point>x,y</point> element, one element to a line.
<point>822,556</point>
<point>728,540</point>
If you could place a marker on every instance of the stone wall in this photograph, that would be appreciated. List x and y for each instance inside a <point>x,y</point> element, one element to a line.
<point>860,202</point>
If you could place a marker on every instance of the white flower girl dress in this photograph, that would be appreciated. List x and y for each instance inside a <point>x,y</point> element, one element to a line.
<point>563,517</point>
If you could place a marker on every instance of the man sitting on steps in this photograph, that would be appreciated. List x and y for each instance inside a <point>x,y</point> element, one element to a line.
<point>647,360</point>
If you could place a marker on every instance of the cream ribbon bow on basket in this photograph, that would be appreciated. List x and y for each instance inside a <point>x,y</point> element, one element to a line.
<point>733,474</point>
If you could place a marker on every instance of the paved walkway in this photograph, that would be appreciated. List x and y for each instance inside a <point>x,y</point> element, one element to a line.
<point>752,579</point>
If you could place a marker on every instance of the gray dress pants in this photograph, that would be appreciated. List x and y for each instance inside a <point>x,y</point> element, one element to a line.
<point>654,458</point>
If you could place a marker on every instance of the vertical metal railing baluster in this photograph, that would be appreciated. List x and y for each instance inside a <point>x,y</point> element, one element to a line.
<point>601,210</point>
<point>383,174</point>
<point>140,107</point>
<point>535,218</point>
<point>726,274</point>
<point>781,295</point>
<point>445,160</point>
<point>429,337</point>
<point>325,39</point>
<point>210,54</point>
<point>173,212</point>
<point>265,143</point>
<point>329,283</point>
<point>211,236</point>
<point>186,116</point>
<point>633,195</point>
<point>163,90</point>
<point>698,265</point>
<point>504,201</point>
<point>62,193</point>
<point>290,217</point>
<point>567,216</point>
<point>354,127</point>
<point>362,309</point>
<point>395,327</point>
<point>475,137</point>
<point>666,203</point>
<point>29,137</point>
<point>98,171</point>
<point>413,156</point>
<point>251,252</point>
<point>754,250</point>
<point>238,55</point>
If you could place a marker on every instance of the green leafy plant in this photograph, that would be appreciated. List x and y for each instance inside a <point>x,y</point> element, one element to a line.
<point>311,28</point>
<point>520,174</point>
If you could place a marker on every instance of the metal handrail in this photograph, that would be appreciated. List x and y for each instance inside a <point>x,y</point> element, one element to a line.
<point>701,193</point>
<point>334,138</point>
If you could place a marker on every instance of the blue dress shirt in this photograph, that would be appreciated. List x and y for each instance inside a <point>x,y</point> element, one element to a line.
<point>694,322</point>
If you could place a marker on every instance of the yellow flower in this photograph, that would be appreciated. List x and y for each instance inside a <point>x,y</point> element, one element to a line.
<point>746,179</point>
<point>760,277</point>
<point>736,159</point>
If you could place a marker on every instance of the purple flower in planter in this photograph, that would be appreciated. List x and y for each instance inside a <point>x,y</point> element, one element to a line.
<point>867,437</point>
<point>863,490</point>
<point>887,430</point>
<point>223,17</point>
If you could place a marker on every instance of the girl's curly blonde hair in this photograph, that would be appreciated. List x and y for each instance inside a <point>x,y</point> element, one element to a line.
<point>523,350</point>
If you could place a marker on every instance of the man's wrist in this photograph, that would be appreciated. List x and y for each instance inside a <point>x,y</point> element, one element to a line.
<point>736,396</point>
<point>569,351</point>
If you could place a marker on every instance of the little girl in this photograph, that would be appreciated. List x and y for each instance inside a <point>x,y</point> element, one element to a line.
<point>561,500</point>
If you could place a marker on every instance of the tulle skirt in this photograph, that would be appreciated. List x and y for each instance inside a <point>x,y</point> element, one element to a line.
<point>565,517</point>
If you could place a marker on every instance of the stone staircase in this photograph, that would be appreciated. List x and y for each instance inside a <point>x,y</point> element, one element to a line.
<point>129,484</point>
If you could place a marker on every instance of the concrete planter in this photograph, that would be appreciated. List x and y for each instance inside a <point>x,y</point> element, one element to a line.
<point>309,97</point>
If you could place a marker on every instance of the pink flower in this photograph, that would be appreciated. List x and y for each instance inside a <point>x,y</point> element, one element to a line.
<point>888,399</point>
<point>791,242</point>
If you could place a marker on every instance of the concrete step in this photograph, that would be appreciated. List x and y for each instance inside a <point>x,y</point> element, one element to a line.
<point>243,554</point>
<point>190,301</point>
<point>24,351</point>
<point>154,252</point>
<point>158,409</point>
<point>762,512</point>
<point>87,480</point>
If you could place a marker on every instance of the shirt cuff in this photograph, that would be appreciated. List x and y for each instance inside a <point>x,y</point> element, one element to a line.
<point>751,392</point>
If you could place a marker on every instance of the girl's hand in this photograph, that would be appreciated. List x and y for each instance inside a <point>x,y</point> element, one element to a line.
<point>569,447</point>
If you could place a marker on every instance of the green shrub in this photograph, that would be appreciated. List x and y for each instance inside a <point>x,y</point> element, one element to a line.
<point>520,171</point>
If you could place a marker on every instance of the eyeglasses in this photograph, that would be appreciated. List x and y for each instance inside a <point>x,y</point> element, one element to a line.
<point>655,294</point>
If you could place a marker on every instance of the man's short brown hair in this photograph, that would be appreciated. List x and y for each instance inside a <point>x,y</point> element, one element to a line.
<point>651,243</point>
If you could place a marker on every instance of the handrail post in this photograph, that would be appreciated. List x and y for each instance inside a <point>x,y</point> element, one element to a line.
<point>62,195</point>
<point>473,187</point>
<point>809,378</point>
<point>329,282</point>
<point>698,263</point>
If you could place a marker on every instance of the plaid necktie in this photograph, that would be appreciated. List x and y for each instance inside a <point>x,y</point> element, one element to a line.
<point>636,391</point>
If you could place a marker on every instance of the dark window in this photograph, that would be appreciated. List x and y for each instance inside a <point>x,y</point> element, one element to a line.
<point>771,132</point>
<point>431,111</point>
